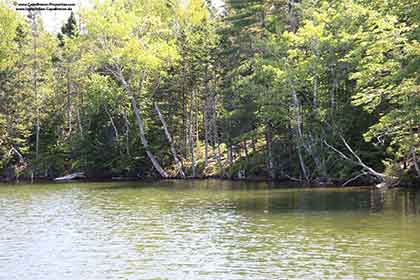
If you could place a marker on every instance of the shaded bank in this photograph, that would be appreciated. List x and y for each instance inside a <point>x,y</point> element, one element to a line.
<point>284,182</point>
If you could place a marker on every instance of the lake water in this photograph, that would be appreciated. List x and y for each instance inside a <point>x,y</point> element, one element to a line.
<point>207,230</point>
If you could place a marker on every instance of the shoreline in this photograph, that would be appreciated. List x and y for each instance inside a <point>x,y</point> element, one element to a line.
<point>277,183</point>
<point>335,183</point>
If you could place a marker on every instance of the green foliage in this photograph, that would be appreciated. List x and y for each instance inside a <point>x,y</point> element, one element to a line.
<point>289,78</point>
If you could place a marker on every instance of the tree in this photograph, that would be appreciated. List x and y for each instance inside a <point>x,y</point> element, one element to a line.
<point>131,45</point>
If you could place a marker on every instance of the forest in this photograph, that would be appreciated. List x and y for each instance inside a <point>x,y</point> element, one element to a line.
<point>318,92</point>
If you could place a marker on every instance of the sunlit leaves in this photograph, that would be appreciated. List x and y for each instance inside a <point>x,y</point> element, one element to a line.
<point>8,24</point>
<point>139,39</point>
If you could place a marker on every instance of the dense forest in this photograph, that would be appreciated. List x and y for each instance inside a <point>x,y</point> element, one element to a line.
<point>312,91</point>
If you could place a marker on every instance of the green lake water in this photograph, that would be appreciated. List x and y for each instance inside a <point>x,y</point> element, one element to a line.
<point>207,230</point>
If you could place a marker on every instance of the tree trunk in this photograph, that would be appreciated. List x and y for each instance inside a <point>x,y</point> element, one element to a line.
<point>245,149</point>
<point>299,134</point>
<point>416,166</point>
<point>216,148</point>
<point>254,145</point>
<point>292,27</point>
<point>206,141</point>
<point>35,84</point>
<point>38,129</point>
<point>292,16</point>
<point>230,155</point>
<point>315,95</point>
<point>269,142</point>
<point>112,121</point>
<point>413,149</point>
<point>69,116</point>
<point>332,96</point>
<point>317,153</point>
<point>216,151</point>
<point>139,122</point>
<point>197,124</point>
<point>191,136</point>
<point>127,133</point>
<point>206,129</point>
<point>386,181</point>
<point>79,120</point>
<point>171,142</point>
<point>185,120</point>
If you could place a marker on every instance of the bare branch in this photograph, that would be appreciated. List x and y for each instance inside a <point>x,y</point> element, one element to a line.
<point>21,158</point>
<point>112,120</point>
<point>360,162</point>
<point>354,178</point>
<point>338,152</point>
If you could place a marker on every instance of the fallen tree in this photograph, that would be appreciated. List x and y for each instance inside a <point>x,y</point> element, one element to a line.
<point>171,142</point>
<point>73,176</point>
<point>384,181</point>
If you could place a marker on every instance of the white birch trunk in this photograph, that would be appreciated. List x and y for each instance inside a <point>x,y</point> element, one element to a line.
<point>114,127</point>
<point>139,122</point>
<point>206,132</point>
<point>269,142</point>
<point>191,136</point>
<point>171,142</point>
<point>127,133</point>
<point>69,116</point>
<point>299,134</point>
<point>79,119</point>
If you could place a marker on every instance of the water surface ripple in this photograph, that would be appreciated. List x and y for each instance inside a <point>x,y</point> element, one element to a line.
<point>206,230</point>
